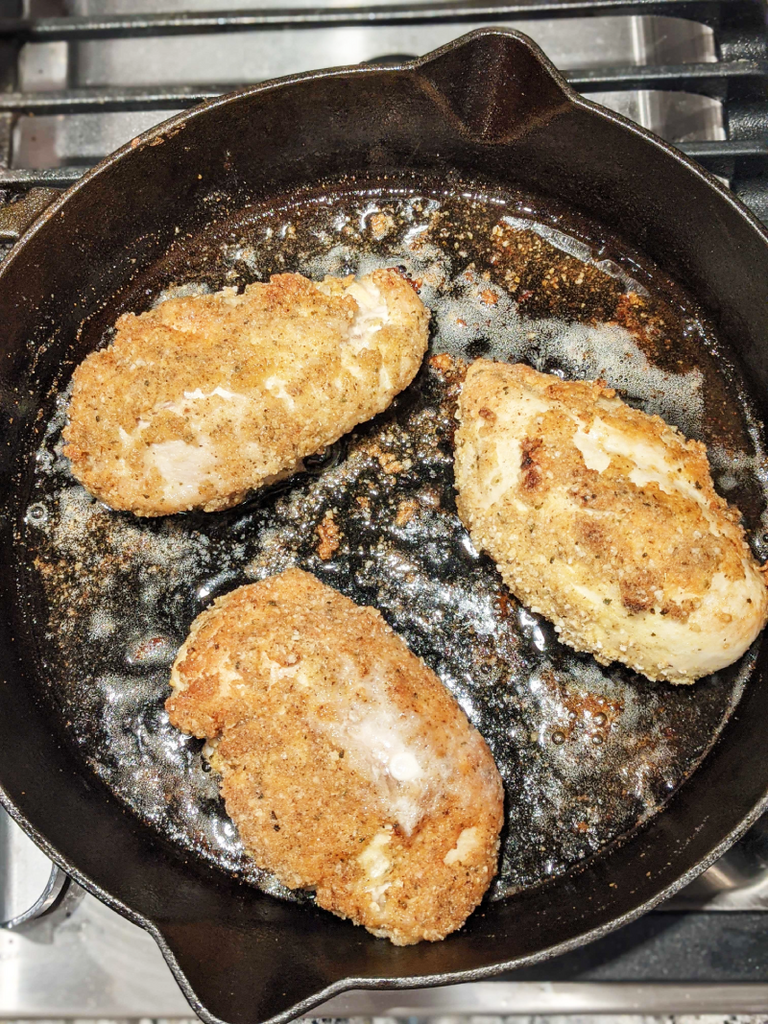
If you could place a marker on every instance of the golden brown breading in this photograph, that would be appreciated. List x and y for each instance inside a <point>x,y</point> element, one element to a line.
<point>346,765</point>
<point>206,397</point>
<point>605,520</point>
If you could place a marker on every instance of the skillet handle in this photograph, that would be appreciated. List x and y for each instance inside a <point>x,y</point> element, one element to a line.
<point>17,216</point>
<point>55,888</point>
<point>30,885</point>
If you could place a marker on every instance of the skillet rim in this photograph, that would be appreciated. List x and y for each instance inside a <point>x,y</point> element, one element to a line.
<point>178,122</point>
<point>167,129</point>
<point>404,982</point>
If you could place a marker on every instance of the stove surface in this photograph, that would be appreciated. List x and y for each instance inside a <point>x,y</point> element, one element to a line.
<point>705,951</point>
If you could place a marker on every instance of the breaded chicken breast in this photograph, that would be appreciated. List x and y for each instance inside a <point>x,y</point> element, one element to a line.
<point>346,765</point>
<point>206,397</point>
<point>605,520</point>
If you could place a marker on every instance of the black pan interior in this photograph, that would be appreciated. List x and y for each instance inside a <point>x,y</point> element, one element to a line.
<point>587,753</point>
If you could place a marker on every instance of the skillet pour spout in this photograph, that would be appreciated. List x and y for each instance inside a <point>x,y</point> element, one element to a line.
<point>494,92</point>
<point>489,109</point>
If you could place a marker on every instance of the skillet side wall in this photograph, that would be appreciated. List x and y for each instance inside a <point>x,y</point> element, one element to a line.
<point>486,110</point>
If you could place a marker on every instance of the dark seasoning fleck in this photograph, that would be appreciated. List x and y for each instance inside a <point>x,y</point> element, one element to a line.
<point>586,752</point>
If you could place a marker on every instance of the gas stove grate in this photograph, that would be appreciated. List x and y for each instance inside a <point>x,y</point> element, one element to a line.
<point>733,77</point>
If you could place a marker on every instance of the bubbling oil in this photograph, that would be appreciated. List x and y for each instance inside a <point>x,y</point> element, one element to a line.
<point>586,752</point>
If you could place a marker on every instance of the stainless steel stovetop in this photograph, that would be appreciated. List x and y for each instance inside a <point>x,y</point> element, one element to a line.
<point>79,78</point>
<point>66,954</point>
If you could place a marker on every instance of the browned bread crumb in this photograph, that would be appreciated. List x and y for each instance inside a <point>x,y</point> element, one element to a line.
<point>346,765</point>
<point>206,397</point>
<point>605,520</point>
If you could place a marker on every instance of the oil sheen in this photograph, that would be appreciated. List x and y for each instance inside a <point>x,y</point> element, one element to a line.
<point>586,753</point>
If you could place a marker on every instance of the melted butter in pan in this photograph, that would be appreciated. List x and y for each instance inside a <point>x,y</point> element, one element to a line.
<point>586,752</point>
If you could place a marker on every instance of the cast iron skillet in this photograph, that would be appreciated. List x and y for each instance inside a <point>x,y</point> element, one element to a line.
<point>488,106</point>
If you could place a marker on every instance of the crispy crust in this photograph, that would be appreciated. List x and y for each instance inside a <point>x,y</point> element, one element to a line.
<point>346,765</point>
<point>206,397</point>
<point>606,521</point>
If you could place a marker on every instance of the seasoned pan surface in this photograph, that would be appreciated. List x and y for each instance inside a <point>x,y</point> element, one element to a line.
<point>587,753</point>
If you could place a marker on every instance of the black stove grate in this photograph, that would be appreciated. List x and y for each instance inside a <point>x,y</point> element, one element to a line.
<point>737,78</point>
